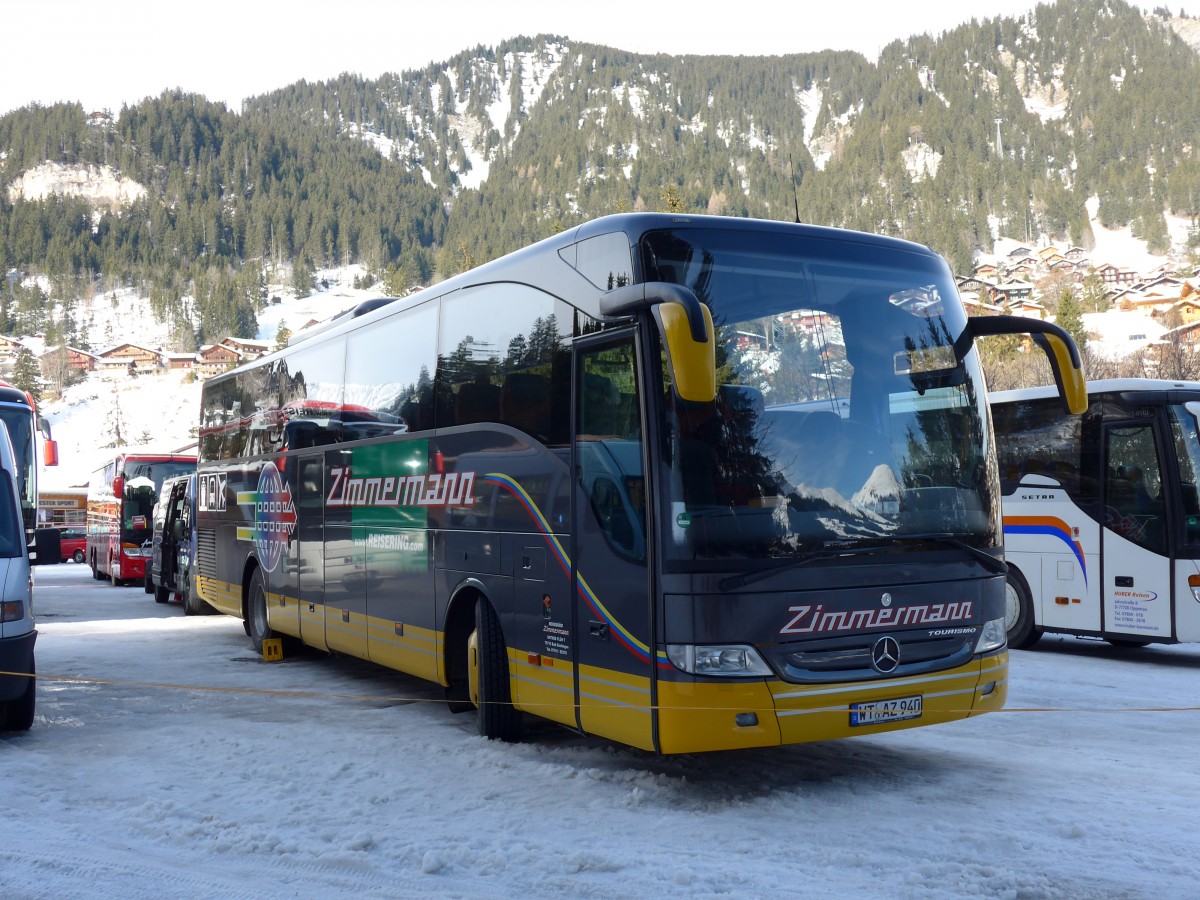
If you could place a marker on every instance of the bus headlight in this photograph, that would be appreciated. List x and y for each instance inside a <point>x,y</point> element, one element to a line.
<point>993,637</point>
<point>728,660</point>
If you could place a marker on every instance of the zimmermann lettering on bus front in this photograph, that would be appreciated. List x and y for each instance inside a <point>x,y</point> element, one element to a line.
<point>815,619</point>
<point>454,489</point>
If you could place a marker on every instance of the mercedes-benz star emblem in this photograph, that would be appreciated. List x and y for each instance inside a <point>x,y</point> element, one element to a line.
<point>885,655</point>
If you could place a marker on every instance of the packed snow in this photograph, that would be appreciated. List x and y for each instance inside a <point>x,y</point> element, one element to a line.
<point>167,760</point>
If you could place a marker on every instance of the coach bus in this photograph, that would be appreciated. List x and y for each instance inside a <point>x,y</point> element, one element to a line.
<point>1101,512</point>
<point>686,483</point>
<point>20,416</point>
<point>120,510</point>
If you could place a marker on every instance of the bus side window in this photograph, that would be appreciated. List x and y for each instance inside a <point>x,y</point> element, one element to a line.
<point>477,400</point>
<point>525,403</point>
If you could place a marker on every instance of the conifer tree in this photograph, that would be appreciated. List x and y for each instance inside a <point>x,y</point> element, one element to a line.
<point>27,375</point>
<point>1070,318</point>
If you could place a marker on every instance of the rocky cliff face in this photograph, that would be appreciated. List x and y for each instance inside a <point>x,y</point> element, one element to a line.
<point>99,185</point>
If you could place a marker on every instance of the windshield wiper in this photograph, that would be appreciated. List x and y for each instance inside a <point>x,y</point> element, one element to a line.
<point>745,578</point>
<point>989,562</point>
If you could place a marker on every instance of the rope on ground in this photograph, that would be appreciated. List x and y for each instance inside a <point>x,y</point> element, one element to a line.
<point>323,695</point>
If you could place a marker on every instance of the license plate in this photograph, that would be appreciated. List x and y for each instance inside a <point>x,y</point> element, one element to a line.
<point>877,712</point>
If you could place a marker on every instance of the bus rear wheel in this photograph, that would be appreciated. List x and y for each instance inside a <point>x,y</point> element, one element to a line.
<point>497,718</point>
<point>1018,612</point>
<point>257,625</point>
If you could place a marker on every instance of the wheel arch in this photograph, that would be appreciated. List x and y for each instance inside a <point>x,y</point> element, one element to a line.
<point>1021,634</point>
<point>457,626</point>
<point>249,567</point>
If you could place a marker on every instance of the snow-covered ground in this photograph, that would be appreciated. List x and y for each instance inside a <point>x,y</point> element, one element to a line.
<point>1116,246</point>
<point>166,760</point>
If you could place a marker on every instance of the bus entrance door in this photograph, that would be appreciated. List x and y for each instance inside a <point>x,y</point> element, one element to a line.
<point>612,596</point>
<point>310,531</point>
<point>1137,562</point>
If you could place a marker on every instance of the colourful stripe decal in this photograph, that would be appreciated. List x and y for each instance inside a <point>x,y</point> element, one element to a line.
<point>624,638</point>
<point>1047,526</point>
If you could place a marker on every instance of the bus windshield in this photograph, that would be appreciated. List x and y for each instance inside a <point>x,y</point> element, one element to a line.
<point>19,421</point>
<point>143,481</point>
<point>1185,431</point>
<point>844,414</point>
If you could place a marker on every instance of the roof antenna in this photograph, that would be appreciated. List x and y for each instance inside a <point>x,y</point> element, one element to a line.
<point>795,191</point>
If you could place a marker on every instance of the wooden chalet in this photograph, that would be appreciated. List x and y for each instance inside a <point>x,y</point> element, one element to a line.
<point>129,356</point>
<point>213,359</point>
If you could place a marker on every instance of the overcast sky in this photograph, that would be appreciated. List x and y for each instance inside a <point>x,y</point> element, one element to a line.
<point>105,54</point>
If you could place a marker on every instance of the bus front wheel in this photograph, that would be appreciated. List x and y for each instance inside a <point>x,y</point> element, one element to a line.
<point>497,718</point>
<point>1018,612</point>
<point>193,605</point>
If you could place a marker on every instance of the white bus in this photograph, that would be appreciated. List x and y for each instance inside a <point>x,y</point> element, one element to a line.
<point>1101,513</point>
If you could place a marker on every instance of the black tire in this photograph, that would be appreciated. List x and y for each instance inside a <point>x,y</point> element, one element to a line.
<point>17,715</point>
<point>77,556</point>
<point>257,625</point>
<point>191,604</point>
<point>1023,631</point>
<point>161,594</point>
<point>96,571</point>
<point>497,718</point>
<point>148,584</point>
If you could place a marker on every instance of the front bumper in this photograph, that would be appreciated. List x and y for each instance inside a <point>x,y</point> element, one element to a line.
<point>16,656</point>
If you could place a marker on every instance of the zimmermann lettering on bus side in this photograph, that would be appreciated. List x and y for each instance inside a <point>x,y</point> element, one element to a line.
<point>453,489</point>
<point>814,619</point>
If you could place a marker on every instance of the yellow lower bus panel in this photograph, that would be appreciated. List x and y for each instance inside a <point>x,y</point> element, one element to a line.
<point>543,686</point>
<point>698,717</point>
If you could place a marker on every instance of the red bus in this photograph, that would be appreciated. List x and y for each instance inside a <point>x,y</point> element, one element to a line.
<point>120,511</point>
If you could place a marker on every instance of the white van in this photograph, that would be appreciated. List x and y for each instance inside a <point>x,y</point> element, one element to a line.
<point>18,690</point>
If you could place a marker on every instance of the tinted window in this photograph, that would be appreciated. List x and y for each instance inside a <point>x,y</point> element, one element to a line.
<point>12,532</point>
<point>389,375</point>
<point>605,261</point>
<point>1037,438</point>
<point>502,360</point>
<point>1133,487</point>
<point>311,395</point>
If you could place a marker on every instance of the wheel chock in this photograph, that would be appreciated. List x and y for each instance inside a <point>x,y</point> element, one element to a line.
<point>272,650</point>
